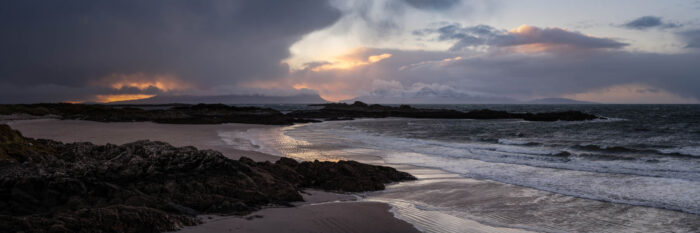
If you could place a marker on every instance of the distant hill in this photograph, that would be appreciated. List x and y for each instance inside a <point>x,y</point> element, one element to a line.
<point>432,100</point>
<point>429,96</point>
<point>457,99</point>
<point>557,101</point>
<point>230,99</point>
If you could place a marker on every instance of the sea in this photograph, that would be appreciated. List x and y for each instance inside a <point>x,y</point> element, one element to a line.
<point>637,170</point>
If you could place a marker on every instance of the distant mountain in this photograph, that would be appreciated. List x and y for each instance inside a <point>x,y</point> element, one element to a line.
<point>557,101</point>
<point>432,100</point>
<point>230,99</point>
<point>428,96</point>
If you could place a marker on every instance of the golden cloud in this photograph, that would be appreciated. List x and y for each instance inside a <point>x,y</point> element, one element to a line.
<point>351,60</point>
<point>141,81</point>
<point>121,97</point>
<point>140,85</point>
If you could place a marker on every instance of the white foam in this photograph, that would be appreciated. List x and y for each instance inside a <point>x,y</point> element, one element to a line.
<point>539,156</point>
<point>249,139</point>
<point>512,142</point>
<point>632,182</point>
<point>427,219</point>
<point>688,150</point>
<point>637,190</point>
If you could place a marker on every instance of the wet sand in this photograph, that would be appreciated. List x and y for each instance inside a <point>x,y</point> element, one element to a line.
<point>347,217</point>
<point>322,211</point>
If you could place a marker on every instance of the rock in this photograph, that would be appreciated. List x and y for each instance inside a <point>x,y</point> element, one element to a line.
<point>348,176</point>
<point>171,114</point>
<point>220,113</point>
<point>148,186</point>
<point>116,218</point>
<point>336,111</point>
<point>560,116</point>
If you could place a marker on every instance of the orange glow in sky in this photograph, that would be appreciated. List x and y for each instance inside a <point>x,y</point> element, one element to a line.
<point>121,97</point>
<point>73,101</point>
<point>141,81</point>
<point>351,60</point>
<point>138,81</point>
<point>145,85</point>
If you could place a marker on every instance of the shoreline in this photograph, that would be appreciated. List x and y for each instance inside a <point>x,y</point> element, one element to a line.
<point>489,204</point>
<point>200,136</point>
<point>441,193</point>
<point>321,211</point>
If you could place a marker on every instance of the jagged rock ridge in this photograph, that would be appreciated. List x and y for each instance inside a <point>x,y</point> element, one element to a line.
<point>147,186</point>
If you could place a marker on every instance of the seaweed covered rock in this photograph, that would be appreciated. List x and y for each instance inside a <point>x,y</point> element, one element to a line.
<point>147,186</point>
<point>348,176</point>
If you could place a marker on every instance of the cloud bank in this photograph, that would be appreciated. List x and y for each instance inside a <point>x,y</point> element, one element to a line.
<point>54,50</point>
<point>584,66</point>
<point>525,35</point>
<point>102,51</point>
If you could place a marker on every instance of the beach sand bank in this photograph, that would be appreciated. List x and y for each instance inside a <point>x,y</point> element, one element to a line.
<point>200,136</point>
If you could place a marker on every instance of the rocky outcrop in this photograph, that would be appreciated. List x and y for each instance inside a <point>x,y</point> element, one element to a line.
<point>220,113</point>
<point>172,114</point>
<point>343,176</point>
<point>146,186</point>
<point>359,109</point>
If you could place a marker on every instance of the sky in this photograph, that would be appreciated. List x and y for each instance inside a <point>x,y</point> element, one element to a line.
<point>621,51</point>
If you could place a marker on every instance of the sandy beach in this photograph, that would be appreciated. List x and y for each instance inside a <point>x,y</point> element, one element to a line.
<point>346,217</point>
<point>322,211</point>
<point>200,136</point>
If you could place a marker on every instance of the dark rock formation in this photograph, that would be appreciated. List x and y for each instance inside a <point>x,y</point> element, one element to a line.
<point>172,114</point>
<point>145,186</point>
<point>220,113</point>
<point>359,109</point>
<point>344,175</point>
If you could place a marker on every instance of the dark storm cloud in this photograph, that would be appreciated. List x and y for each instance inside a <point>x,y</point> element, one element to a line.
<point>59,47</point>
<point>525,35</point>
<point>692,38</point>
<point>646,22</point>
<point>432,4</point>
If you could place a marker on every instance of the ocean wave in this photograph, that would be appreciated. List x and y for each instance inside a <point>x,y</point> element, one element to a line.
<point>604,148</point>
<point>515,142</point>
<point>656,192</point>
<point>669,182</point>
<point>537,156</point>
<point>689,151</point>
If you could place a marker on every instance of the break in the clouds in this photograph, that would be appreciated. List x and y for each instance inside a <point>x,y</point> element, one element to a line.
<point>646,22</point>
